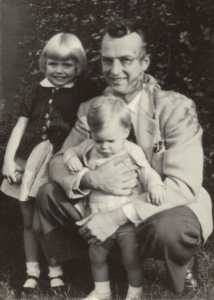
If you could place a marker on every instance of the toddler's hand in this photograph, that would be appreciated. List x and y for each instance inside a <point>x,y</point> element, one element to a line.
<point>8,171</point>
<point>156,194</point>
<point>74,164</point>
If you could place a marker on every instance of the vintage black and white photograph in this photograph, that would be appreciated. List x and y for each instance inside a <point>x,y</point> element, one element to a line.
<point>106,149</point>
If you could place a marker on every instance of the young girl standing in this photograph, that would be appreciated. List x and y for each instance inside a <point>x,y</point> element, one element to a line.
<point>46,115</point>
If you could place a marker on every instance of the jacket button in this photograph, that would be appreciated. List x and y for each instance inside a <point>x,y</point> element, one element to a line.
<point>46,116</point>
<point>50,101</point>
<point>44,137</point>
<point>44,128</point>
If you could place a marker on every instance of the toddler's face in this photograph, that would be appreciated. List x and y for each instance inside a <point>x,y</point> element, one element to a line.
<point>109,140</point>
<point>61,72</point>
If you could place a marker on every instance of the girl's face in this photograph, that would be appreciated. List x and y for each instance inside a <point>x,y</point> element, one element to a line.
<point>110,140</point>
<point>61,72</point>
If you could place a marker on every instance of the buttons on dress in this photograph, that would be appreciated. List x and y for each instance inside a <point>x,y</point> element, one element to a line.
<point>44,128</point>
<point>50,101</point>
<point>46,116</point>
<point>44,137</point>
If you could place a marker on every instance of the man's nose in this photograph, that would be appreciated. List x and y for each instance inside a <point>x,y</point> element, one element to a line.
<point>116,67</point>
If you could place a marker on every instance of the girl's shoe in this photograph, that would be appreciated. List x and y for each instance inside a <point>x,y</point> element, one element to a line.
<point>94,296</point>
<point>30,289</point>
<point>57,284</point>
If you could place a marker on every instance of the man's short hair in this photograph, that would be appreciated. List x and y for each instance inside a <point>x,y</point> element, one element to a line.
<point>121,28</point>
<point>106,108</point>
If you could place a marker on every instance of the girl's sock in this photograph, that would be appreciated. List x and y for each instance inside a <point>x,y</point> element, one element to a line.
<point>102,289</point>
<point>55,272</point>
<point>32,270</point>
<point>134,293</point>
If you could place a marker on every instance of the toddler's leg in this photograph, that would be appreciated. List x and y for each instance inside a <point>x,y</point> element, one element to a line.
<point>30,244</point>
<point>131,259</point>
<point>98,257</point>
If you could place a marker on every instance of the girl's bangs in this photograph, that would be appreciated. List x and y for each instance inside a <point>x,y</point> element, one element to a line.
<point>61,53</point>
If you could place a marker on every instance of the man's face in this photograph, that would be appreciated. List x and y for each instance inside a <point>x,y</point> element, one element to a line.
<point>122,64</point>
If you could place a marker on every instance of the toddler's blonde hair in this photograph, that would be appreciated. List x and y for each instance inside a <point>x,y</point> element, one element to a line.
<point>105,109</point>
<point>64,46</point>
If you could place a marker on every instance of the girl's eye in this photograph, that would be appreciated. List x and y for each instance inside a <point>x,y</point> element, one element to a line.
<point>68,65</point>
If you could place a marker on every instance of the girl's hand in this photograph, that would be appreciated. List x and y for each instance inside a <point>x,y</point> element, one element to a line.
<point>74,164</point>
<point>8,171</point>
<point>156,194</point>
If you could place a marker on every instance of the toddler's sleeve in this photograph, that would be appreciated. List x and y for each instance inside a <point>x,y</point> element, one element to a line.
<point>26,102</point>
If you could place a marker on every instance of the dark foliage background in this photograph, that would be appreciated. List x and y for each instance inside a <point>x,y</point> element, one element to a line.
<point>180,36</point>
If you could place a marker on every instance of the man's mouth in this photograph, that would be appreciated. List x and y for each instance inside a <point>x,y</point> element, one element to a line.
<point>117,79</point>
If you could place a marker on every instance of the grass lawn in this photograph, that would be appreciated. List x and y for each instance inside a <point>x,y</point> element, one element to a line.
<point>77,272</point>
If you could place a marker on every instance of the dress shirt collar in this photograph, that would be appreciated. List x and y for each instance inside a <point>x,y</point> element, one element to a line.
<point>146,105</point>
<point>46,83</point>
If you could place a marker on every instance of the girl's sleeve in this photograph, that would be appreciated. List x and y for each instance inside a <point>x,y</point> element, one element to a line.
<point>26,102</point>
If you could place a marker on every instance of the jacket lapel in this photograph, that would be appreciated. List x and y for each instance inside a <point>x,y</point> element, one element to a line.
<point>147,126</point>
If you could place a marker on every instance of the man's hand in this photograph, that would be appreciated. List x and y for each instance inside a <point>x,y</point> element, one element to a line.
<point>156,194</point>
<point>98,227</point>
<point>111,180</point>
<point>73,163</point>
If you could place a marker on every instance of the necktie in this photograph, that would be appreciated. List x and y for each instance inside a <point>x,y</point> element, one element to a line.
<point>132,136</point>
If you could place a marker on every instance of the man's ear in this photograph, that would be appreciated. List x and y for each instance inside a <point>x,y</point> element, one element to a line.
<point>126,133</point>
<point>146,62</point>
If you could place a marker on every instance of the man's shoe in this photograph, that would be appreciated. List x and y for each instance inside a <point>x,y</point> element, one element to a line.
<point>191,280</point>
<point>94,296</point>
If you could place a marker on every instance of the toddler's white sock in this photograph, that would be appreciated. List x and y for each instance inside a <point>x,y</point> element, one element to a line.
<point>103,289</point>
<point>55,272</point>
<point>32,270</point>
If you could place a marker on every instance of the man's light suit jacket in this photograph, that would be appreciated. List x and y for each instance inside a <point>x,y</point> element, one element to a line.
<point>170,118</point>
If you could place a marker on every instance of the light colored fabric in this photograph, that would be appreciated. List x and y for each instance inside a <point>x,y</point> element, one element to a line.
<point>134,155</point>
<point>46,83</point>
<point>133,108</point>
<point>35,173</point>
<point>172,118</point>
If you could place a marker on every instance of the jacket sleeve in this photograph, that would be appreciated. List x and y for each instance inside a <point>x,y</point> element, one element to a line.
<point>182,160</point>
<point>58,172</point>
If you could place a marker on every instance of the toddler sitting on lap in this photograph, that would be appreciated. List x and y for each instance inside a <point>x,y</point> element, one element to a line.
<point>109,121</point>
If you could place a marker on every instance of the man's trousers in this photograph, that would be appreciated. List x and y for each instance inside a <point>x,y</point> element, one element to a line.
<point>172,235</point>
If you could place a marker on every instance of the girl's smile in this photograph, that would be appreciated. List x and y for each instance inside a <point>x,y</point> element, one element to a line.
<point>61,72</point>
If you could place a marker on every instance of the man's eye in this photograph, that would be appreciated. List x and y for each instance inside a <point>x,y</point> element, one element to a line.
<point>107,61</point>
<point>126,61</point>
<point>52,64</point>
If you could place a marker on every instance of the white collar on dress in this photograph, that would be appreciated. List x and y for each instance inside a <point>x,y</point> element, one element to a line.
<point>46,83</point>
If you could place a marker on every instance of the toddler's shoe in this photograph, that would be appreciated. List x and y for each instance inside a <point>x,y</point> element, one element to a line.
<point>134,296</point>
<point>94,296</point>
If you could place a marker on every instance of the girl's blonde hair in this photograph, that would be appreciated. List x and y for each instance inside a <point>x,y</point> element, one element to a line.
<point>106,108</point>
<point>64,46</point>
